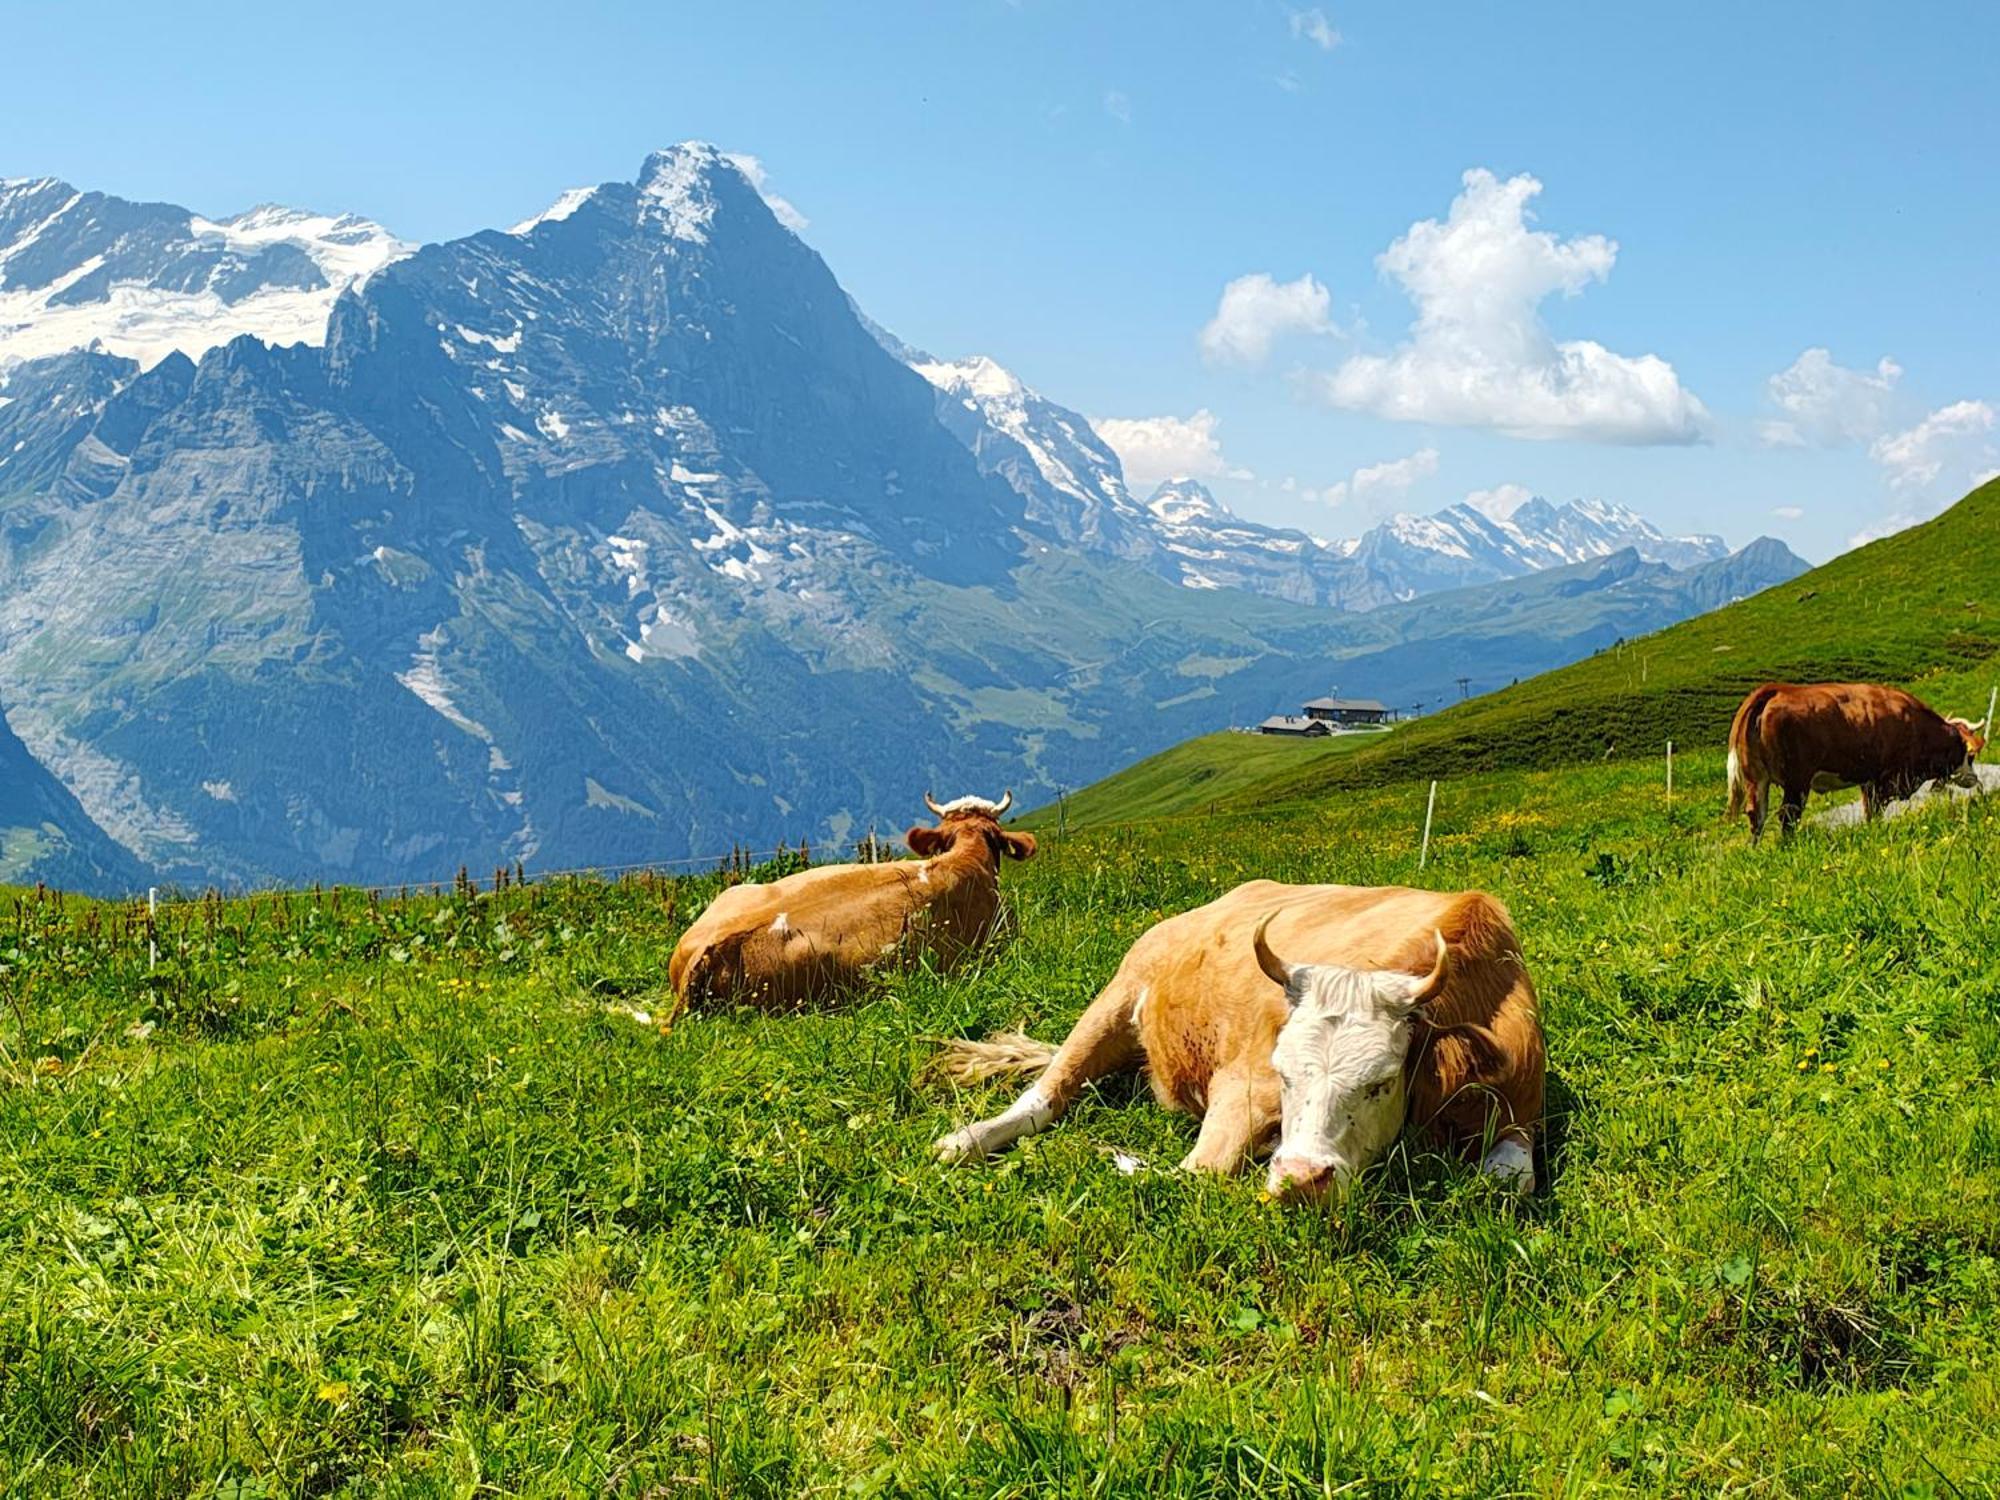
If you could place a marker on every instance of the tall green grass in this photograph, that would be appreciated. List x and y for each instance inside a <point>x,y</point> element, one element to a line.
<point>361,1197</point>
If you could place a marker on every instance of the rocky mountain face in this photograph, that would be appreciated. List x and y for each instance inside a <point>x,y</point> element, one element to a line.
<point>619,536</point>
<point>46,835</point>
<point>1069,480</point>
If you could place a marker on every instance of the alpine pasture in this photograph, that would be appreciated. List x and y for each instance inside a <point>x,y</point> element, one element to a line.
<point>354,1194</point>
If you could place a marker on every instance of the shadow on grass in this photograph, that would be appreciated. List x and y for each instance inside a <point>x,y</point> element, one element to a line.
<point>1563,1105</point>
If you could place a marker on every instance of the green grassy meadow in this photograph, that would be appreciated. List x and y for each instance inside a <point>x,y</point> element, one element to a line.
<point>427,1196</point>
<point>401,1197</point>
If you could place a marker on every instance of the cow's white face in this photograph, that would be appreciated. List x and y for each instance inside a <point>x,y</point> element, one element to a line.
<point>1339,1060</point>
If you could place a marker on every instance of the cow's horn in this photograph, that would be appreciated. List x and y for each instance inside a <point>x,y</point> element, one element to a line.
<point>1432,985</point>
<point>1006,801</point>
<point>1275,968</point>
<point>935,809</point>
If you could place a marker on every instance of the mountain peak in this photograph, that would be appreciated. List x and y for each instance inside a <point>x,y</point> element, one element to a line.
<point>682,186</point>
<point>696,152</point>
<point>678,188</point>
<point>1183,499</point>
<point>975,375</point>
<point>1532,514</point>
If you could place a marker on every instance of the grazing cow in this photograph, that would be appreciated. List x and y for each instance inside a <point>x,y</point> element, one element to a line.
<point>812,935</point>
<point>1816,737</point>
<point>1318,1015</point>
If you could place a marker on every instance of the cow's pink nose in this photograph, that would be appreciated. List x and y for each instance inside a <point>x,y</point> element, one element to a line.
<point>1298,1181</point>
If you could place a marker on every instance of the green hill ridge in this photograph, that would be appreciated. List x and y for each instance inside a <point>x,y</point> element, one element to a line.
<point>1915,608</point>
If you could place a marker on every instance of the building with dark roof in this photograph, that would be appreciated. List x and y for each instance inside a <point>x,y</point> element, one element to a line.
<point>1345,711</point>
<point>1295,724</point>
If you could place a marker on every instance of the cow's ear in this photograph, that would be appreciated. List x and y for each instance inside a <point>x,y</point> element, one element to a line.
<point>1019,845</point>
<point>926,842</point>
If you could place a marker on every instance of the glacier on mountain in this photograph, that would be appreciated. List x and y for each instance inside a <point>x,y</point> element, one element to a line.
<point>144,280</point>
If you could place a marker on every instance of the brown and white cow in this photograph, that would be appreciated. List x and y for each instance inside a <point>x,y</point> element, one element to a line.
<point>816,934</point>
<point>1818,736</point>
<point>1317,1017</point>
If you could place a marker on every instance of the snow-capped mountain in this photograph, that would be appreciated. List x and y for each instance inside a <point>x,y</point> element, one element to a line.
<point>1069,476</point>
<point>621,537</point>
<point>1408,556</point>
<point>1206,545</point>
<point>145,280</point>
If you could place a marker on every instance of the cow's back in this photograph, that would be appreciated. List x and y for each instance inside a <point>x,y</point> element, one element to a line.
<point>820,931</point>
<point>787,941</point>
<point>1847,732</point>
<point>1201,1000</point>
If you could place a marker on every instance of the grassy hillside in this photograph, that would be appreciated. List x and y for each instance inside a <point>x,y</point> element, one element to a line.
<point>1923,602</point>
<point>1194,775</point>
<point>419,1197</point>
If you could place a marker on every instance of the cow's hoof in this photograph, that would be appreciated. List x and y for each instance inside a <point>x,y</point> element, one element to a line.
<point>1512,1165</point>
<point>958,1147</point>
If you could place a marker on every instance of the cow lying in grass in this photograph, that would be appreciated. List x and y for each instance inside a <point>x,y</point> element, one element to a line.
<point>814,935</point>
<point>1319,1016</point>
<point>1820,736</point>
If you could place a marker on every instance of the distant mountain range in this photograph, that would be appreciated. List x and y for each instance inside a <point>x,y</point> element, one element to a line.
<point>620,535</point>
<point>1069,477</point>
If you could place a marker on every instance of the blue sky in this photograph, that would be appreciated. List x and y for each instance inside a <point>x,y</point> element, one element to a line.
<point>1070,188</point>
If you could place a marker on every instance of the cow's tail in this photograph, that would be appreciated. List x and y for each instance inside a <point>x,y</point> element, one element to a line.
<point>1005,1054</point>
<point>1743,747</point>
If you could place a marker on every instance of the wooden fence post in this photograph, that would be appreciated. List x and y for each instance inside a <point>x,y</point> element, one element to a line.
<point>1423,857</point>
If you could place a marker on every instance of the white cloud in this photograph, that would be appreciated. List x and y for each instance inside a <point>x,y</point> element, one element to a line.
<point>1501,501</point>
<point>1313,26</point>
<point>1932,464</point>
<point>1788,512</point>
<point>1826,404</point>
<point>1255,311</point>
<point>1479,354</point>
<point>1952,438</point>
<point>1118,106</point>
<point>1888,526</point>
<point>782,208</point>
<point>1390,478</point>
<point>1153,449</point>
